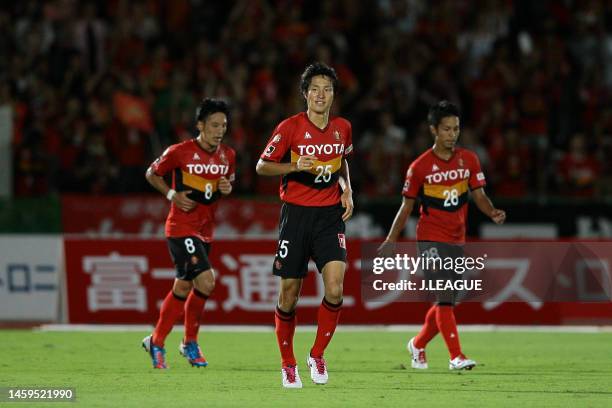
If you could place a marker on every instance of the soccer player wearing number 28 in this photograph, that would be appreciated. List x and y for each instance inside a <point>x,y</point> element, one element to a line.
<point>202,171</point>
<point>308,150</point>
<point>441,178</point>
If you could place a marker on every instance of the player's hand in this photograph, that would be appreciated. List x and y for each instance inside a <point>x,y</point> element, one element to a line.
<point>498,216</point>
<point>386,249</point>
<point>225,186</point>
<point>183,202</point>
<point>305,163</point>
<point>347,202</point>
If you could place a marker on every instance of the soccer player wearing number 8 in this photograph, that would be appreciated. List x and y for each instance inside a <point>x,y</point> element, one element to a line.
<point>308,151</point>
<point>441,178</point>
<point>202,171</point>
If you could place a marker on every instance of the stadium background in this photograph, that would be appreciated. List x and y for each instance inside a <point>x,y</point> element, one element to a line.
<point>92,92</point>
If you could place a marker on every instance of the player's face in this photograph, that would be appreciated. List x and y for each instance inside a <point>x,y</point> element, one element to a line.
<point>447,132</point>
<point>213,130</point>
<point>320,94</point>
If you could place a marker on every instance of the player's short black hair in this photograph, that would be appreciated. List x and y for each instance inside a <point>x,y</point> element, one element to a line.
<point>317,68</point>
<point>440,111</point>
<point>208,106</point>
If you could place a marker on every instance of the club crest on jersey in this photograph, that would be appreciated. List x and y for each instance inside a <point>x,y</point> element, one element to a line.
<point>307,136</point>
<point>435,168</point>
<point>341,241</point>
<point>276,138</point>
<point>196,156</point>
<point>337,135</point>
<point>460,162</point>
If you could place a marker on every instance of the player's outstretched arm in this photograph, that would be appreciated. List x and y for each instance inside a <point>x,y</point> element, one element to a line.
<point>179,198</point>
<point>387,248</point>
<point>347,192</point>
<point>485,205</point>
<point>270,168</point>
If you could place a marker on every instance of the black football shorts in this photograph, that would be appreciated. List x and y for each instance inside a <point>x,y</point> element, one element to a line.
<point>305,233</point>
<point>190,256</point>
<point>432,271</point>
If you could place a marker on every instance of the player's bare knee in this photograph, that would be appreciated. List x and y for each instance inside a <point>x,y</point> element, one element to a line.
<point>181,291</point>
<point>205,282</point>
<point>288,297</point>
<point>181,288</point>
<point>208,286</point>
<point>286,307</point>
<point>287,301</point>
<point>333,293</point>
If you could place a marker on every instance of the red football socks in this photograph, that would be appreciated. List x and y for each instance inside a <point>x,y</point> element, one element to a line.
<point>285,328</point>
<point>171,309</point>
<point>328,317</point>
<point>445,317</point>
<point>193,311</point>
<point>429,329</point>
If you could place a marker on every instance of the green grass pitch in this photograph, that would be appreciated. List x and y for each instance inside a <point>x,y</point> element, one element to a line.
<point>369,368</point>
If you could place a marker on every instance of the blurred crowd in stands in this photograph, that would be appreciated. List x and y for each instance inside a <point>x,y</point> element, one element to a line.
<point>99,89</point>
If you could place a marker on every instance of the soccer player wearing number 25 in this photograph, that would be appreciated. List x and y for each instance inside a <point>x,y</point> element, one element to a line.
<point>202,171</point>
<point>308,150</point>
<point>441,178</point>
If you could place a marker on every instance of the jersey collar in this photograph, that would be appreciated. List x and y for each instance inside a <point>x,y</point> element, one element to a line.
<point>203,149</point>
<point>440,158</point>
<point>315,126</point>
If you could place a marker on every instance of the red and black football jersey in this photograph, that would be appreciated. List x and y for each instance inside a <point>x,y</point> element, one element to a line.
<point>298,136</point>
<point>195,169</point>
<point>442,187</point>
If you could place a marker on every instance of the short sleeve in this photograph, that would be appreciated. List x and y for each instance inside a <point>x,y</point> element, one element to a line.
<point>279,143</point>
<point>348,144</point>
<point>231,174</point>
<point>477,177</point>
<point>166,162</point>
<point>413,182</point>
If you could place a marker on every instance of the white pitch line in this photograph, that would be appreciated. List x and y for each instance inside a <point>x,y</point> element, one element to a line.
<point>487,328</point>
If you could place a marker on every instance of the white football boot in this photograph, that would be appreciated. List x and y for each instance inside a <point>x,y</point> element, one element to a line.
<point>461,363</point>
<point>318,370</point>
<point>291,377</point>
<point>419,360</point>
